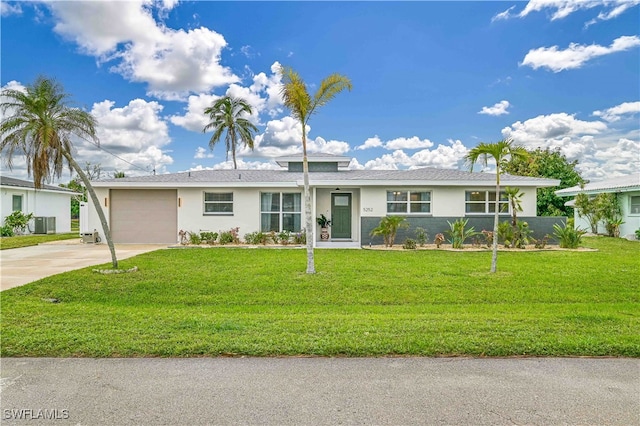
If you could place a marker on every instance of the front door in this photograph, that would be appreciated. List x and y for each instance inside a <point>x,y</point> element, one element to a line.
<point>340,215</point>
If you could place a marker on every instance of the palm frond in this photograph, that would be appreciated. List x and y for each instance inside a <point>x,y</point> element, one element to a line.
<point>329,88</point>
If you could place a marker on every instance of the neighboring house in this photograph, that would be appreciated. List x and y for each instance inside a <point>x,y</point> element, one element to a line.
<point>49,201</point>
<point>627,190</point>
<point>153,209</point>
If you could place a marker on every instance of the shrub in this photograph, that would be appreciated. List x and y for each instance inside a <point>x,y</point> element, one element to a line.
<point>541,243</point>
<point>194,238</point>
<point>6,231</point>
<point>284,237</point>
<point>458,233</point>
<point>421,236</point>
<point>438,240</point>
<point>209,237</point>
<point>225,237</point>
<point>257,237</point>
<point>637,234</point>
<point>488,237</point>
<point>388,228</point>
<point>18,221</point>
<point>300,238</point>
<point>568,236</point>
<point>409,244</point>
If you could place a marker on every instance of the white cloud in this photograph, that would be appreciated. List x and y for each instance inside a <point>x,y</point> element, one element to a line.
<point>174,63</point>
<point>284,137</point>
<point>135,133</point>
<point>503,15</point>
<point>202,153</point>
<point>576,55</point>
<point>247,165</point>
<point>395,144</point>
<point>498,109</point>
<point>263,95</point>
<point>543,128</point>
<point>8,9</point>
<point>564,8</point>
<point>600,151</point>
<point>449,156</point>
<point>373,142</point>
<point>613,114</point>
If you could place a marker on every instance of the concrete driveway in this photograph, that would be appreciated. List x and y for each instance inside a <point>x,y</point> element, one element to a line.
<point>20,266</point>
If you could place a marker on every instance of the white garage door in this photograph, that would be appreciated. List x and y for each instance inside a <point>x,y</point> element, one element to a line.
<point>144,216</point>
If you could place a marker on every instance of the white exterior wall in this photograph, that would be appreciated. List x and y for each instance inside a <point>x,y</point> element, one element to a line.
<point>40,203</point>
<point>94,220</point>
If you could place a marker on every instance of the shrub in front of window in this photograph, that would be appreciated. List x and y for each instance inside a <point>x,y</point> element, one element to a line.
<point>230,237</point>
<point>284,237</point>
<point>257,237</point>
<point>194,238</point>
<point>300,238</point>
<point>458,233</point>
<point>209,237</point>
<point>388,228</point>
<point>18,221</point>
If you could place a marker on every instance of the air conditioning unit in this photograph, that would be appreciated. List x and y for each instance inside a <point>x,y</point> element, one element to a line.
<point>90,237</point>
<point>44,225</point>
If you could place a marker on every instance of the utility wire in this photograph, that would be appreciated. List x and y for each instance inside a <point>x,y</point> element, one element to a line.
<point>117,156</point>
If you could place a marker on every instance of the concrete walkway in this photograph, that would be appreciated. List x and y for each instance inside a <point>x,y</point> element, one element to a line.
<point>23,265</point>
<point>319,391</point>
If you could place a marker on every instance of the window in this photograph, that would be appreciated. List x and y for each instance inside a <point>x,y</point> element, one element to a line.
<point>635,204</point>
<point>17,203</point>
<point>412,202</point>
<point>280,211</point>
<point>483,202</point>
<point>220,203</point>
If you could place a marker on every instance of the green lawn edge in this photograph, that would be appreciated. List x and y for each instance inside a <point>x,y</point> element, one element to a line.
<point>18,241</point>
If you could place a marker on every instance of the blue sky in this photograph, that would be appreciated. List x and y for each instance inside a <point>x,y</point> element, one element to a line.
<point>430,79</point>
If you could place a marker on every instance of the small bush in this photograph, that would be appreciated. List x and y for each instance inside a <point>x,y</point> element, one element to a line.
<point>18,221</point>
<point>257,237</point>
<point>568,236</point>
<point>284,237</point>
<point>6,231</point>
<point>637,234</point>
<point>225,237</point>
<point>194,238</point>
<point>438,240</point>
<point>421,236</point>
<point>409,244</point>
<point>488,237</point>
<point>209,237</point>
<point>541,243</point>
<point>459,232</point>
<point>300,238</point>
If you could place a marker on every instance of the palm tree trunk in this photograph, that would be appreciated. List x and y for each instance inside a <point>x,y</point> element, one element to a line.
<point>308,220</point>
<point>494,254</point>
<point>96,204</point>
<point>233,149</point>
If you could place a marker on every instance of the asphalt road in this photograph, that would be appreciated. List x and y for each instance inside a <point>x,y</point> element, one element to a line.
<point>317,391</point>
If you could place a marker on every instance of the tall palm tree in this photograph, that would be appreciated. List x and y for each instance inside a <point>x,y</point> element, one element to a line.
<point>227,114</point>
<point>303,106</point>
<point>501,151</point>
<point>39,123</point>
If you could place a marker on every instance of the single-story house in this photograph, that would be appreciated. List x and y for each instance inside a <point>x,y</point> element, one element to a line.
<point>627,190</point>
<point>153,209</point>
<point>47,202</point>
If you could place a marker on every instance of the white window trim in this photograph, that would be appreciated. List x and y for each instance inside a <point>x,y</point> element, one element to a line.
<point>205,202</point>
<point>280,212</point>
<point>408,203</point>
<point>486,203</point>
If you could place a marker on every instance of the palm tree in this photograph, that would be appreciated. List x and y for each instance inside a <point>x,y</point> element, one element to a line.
<point>228,114</point>
<point>303,106</point>
<point>39,123</point>
<point>501,151</point>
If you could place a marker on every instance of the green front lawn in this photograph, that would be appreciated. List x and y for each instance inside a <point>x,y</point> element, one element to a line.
<point>33,240</point>
<point>232,301</point>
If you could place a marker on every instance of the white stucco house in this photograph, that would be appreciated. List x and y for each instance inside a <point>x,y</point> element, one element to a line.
<point>627,190</point>
<point>48,202</point>
<point>153,209</point>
